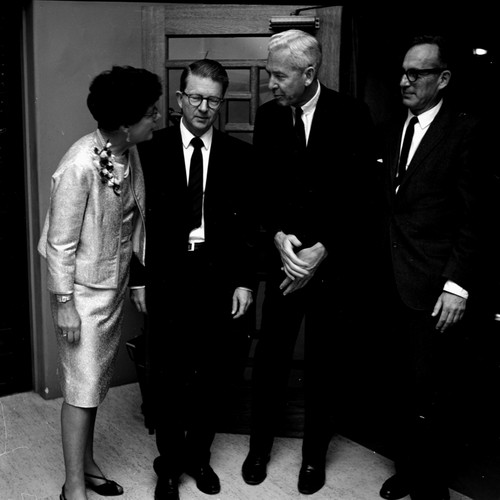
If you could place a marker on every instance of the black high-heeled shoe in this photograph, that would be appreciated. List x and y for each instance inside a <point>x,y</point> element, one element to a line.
<point>108,489</point>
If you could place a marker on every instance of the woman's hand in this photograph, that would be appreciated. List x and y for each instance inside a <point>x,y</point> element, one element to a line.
<point>68,321</point>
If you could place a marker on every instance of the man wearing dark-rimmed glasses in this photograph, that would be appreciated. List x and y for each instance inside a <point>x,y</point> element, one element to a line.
<point>196,99</point>
<point>413,74</point>
<point>199,276</point>
<point>432,199</point>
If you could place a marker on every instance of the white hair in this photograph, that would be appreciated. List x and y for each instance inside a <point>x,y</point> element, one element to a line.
<point>304,49</point>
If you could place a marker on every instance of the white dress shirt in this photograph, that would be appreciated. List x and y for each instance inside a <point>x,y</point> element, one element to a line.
<point>308,110</point>
<point>197,235</point>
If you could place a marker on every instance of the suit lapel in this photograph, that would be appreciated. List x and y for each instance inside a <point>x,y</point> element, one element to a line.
<point>324,107</point>
<point>212,164</point>
<point>177,159</point>
<point>218,163</point>
<point>435,134</point>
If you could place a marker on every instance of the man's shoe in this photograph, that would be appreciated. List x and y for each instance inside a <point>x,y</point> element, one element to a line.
<point>311,478</point>
<point>254,468</point>
<point>395,487</point>
<point>430,493</point>
<point>167,488</point>
<point>206,479</point>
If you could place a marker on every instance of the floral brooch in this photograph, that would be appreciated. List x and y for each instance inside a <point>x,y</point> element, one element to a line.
<point>106,167</point>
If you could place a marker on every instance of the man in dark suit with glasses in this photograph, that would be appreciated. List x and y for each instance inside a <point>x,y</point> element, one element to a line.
<point>432,190</point>
<point>199,275</point>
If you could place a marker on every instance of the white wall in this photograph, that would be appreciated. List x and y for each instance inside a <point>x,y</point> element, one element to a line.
<point>73,42</point>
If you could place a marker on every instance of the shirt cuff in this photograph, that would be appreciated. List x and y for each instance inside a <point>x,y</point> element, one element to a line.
<point>453,288</point>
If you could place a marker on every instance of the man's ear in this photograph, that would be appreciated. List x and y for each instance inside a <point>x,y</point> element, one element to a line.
<point>309,74</point>
<point>179,96</point>
<point>444,79</point>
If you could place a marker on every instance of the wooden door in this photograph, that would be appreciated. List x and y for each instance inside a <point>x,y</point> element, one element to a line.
<point>236,35</point>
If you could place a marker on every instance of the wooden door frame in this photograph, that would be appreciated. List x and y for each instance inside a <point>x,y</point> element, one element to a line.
<point>164,20</point>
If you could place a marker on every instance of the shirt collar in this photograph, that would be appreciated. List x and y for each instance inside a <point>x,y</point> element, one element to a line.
<point>310,105</point>
<point>425,119</point>
<point>186,136</point>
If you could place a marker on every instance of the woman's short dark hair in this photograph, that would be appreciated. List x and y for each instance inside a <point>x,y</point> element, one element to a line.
<point>122,96</point>
<point>206,68</point>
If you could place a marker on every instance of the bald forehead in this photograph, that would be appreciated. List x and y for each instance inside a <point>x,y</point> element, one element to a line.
<point>421,56</point>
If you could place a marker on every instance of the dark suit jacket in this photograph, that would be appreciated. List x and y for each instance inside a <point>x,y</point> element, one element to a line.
<point>230,227</point>
<point>327,194</point>
<point>433,220</point>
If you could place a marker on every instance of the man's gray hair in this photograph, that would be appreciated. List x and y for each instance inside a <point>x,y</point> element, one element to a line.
<point>305,49</point>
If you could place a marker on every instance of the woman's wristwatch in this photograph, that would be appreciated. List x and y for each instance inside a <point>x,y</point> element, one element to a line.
<point>62,299</point>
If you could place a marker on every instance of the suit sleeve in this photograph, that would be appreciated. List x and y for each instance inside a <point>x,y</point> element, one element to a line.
<point>471,189</point>
<point>69,193</point>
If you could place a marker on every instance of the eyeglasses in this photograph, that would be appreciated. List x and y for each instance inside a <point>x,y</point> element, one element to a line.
<point>414,74</point>
<point>154,114</point>
<point>197,99</point>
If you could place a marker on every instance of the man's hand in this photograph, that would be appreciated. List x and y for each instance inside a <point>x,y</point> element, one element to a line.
<point>452,309</point>
<point>288,285</point>
<point>293,266</point>
<point>242,300</point>
<point>138,298</point>
<point>312,257</point>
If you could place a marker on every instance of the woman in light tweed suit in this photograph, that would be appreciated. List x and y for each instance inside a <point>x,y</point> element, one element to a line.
<point>94,224</point>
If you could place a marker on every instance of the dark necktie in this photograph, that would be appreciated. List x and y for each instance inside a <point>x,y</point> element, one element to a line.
<point>403,157</point>
<point>195,185</point>
<point>299,128</point>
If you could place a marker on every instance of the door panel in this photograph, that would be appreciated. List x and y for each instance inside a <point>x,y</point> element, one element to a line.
<point>236,35</point>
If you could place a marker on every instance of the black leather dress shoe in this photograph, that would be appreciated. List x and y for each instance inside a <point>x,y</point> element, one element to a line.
<point>311,478</point>
<point>167,488</point>
<point>206,479</point>
<point>430,493</point>
<point>395,487</point>
<point>254,468</point>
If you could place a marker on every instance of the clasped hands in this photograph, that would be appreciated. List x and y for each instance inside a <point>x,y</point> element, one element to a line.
<point>298,265</point>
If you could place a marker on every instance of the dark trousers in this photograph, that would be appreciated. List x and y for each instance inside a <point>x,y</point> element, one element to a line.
<point>281,320</point>
<point>424,373</point>
<point>190,321</point>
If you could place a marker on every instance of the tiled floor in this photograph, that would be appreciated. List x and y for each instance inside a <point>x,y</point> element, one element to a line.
<point>31,464</point>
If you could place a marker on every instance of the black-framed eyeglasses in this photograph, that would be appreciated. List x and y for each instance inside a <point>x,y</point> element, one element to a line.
<point>197,99</point>
<point>154,114</point>
<point>414,74</point>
